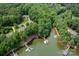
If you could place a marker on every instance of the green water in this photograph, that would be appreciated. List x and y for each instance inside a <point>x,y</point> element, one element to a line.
<point>41,49</point>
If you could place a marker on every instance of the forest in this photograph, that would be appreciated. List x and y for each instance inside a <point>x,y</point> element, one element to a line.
<point>19,21</point>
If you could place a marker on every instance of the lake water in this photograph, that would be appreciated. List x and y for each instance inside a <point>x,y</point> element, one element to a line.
<point>53,48</point>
